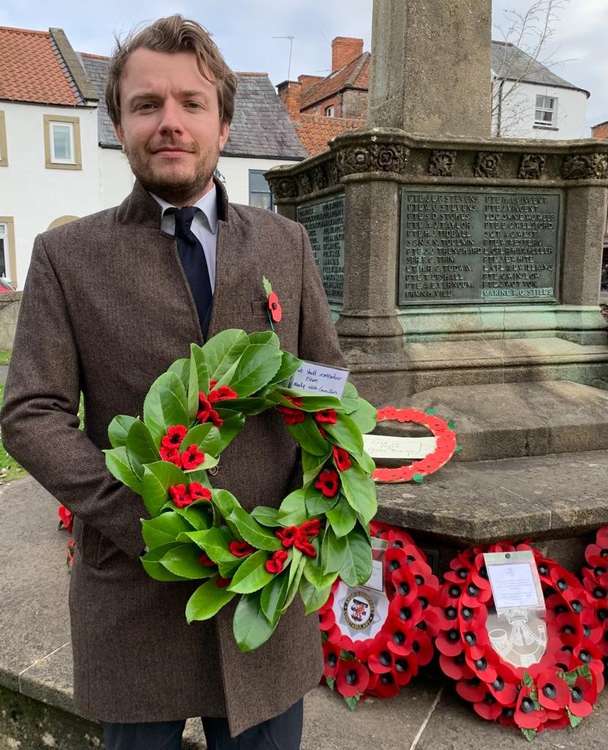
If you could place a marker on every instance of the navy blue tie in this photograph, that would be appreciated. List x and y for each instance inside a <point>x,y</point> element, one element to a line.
<point>194,264</point>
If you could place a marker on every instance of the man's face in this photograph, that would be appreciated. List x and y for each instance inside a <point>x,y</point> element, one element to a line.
<point>170,124</point>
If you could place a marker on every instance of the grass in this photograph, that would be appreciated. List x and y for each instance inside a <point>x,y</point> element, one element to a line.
<point>9,468</point>
<point>5,357</point>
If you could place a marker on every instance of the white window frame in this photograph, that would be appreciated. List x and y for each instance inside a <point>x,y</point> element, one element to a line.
<point>330,111</point>
<point>544,107</point>
<point>10,274</point>
<point>52,161</point>
<point>53,127</point>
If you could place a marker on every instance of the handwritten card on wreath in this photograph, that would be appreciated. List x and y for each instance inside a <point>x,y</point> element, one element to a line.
<point>313,377</point>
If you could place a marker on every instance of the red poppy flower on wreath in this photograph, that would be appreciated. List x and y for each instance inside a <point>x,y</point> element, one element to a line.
<point>595,581</point>
<point>445,439</point>
<point>240,549</point>
<point>275,311</point>
<point>326,416</point>
<point>384,658</point>
<point>276,563</point>
<point>192,457</point>
<point>66,518</point>
<point>291,416</point>
<point>541,695</point>
<point>328,483</point>
<point>341,458</point>
<point>175,434</point>
<point>205,561</point>
<point>182,495</point>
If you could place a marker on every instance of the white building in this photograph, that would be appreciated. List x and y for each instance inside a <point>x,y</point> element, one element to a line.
<point>59,156</point>
<point>530,101</point>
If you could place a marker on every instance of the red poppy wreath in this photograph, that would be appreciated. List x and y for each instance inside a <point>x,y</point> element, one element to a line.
<point>444,450</point>
<point>595,580</point>
<point>394,640</point>
<point>199,533</point>
<point>556,691</point>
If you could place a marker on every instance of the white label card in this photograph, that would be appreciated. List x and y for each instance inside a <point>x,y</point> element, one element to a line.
<point>398,448</point>
<point>514,580</point>
<point>313,377</point>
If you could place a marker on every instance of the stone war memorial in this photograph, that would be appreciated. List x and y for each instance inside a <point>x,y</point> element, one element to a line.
<point>464,273</point>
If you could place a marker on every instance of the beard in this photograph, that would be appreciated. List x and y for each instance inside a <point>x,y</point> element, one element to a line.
<point>173,185</point>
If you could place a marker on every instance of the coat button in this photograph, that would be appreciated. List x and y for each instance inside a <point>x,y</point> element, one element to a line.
<point>213,470</point>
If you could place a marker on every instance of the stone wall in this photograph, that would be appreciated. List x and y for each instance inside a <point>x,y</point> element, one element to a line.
<point>9,311</point>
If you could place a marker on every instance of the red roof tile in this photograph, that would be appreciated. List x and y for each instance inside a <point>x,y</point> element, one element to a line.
<point>353,75</point>
<point>31,70</point>
<point>316,130</point>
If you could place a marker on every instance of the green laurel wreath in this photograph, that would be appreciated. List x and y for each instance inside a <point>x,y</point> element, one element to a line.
<point>191,414</point>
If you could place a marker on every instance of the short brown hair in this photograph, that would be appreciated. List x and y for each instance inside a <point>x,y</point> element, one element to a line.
<point>174,34</point>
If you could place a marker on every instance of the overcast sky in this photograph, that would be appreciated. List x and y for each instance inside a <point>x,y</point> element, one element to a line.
<point>244,31</point>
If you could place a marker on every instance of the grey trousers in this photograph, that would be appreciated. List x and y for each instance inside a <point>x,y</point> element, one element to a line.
<point>283,732</point>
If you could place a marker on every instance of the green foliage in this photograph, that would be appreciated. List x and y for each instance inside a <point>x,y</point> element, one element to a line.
<point>250,627</point>
<point>251,574</point>
<point>207,601</point>
<point>255,368</point>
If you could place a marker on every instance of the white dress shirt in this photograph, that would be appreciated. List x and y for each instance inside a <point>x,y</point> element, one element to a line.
<point>204,226</point>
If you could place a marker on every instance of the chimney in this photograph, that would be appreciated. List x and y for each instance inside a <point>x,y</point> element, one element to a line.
<point>308,81</point>
<point>289,94</point>
<point>344,49</point>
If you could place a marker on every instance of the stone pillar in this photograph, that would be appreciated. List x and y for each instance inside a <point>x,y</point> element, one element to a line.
<point>583,242</point>
<point>371,335</point>
<point>431,67</point>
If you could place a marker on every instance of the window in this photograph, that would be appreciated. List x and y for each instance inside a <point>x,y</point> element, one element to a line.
<point>330,111</point>
<point>259,190</point>
<point>545,114</point>
<point>3,150</point>
<point>62,142</point>
<point>7,250</point>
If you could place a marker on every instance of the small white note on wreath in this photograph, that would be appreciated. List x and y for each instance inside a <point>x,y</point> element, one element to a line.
<point>313,377</point>
<point>514,580</point>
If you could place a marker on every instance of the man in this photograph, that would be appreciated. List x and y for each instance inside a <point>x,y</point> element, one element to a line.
<point>110,301</point>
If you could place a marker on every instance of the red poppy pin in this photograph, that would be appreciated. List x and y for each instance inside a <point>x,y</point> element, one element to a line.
<point>274,309</point>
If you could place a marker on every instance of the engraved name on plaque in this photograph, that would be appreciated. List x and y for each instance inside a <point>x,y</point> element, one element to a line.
<point>324,222</point>
<point>479,245</point>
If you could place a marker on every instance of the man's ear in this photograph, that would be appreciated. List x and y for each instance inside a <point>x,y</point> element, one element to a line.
<point>224,133</point>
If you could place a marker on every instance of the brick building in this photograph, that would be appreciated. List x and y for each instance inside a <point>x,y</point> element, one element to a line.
<point>323,107</point>
<point>600,131</point>
<point>529,100</point>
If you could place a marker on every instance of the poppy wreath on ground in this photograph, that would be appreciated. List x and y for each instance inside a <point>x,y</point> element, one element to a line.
<point>557,691</point>
<point>595,580</point>
<point>380,665</point>
<point>191,414</point>
<point>445,447</point>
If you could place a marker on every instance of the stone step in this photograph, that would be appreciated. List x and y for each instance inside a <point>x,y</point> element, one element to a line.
<point>511,420</point>
<point>438,364</point>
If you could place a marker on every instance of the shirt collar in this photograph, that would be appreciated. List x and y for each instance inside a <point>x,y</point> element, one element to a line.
<point>207,204</point>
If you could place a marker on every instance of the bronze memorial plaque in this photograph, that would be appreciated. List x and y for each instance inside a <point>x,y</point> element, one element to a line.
<point>479,245</point>
<point>324,222</point>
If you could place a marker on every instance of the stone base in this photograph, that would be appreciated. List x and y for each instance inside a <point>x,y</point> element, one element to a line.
<point>540,499</point>
<point>478,362</point>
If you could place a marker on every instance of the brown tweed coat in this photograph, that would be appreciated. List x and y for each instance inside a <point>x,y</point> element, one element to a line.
<point>106,309</point>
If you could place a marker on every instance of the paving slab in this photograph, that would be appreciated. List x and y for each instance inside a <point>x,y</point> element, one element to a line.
<point>34,617</point>
<point>453,726</point>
